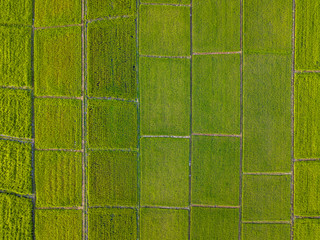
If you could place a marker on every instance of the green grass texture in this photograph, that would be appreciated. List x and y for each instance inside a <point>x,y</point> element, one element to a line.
<point>165,96</point>
<point>112,178</point>
<point>164,30</point>
<point>15,57</point>
<point>267,113</point>
<point>163,224</point>
<point>216,94</point>
<point>215,170</point>
<point>15,167</point>
<point>15,217</point>
<point>57,64</point>
<point>306,229</point>
<point>112,223</point>
<point>112,58</point>
<point>164,172</point>
<point>16,12</point>
<point>53,224</point>
<point>58,178</point>
<point>167,1</point>
<point>57,123</point>
<point>108,120</point>
<point>15,113</point>
<point>215,25</point>
<point>253,231</point>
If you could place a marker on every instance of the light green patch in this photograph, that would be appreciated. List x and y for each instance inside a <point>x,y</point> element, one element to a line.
<point>165,96</point>
<point>16,12</point>
<point>57,63</point>
<point>265,231</point>
<point>164,171</point>
<point>306,229</point>
<point>164,30</point>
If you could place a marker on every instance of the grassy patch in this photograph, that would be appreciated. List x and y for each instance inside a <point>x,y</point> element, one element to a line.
<point>16,12</point>
<point>306,229</point>
<point>112,58</point>
<point>266,231</point>
<point>15,167</point>
<point>58,178</point>
<point>267,113</point>
<point>306,185</point>
<point>267,26</point>
<point>307,37</point>
<point>266,197</point>
<point>214,223</point>
<point>165,171</point>
<point>216,94</point>
<point>57,12</point>
<point>112,178</point>
<point>57,123</point>
<point>15,56</point>
<point>112,223</point>
<point>216,25</point>
<point>15,113</point>
<point>165,96</point>
<point>15,217</point>
<point>167,1</point>
<point>215,170</point>
<point>164,30</point>
<point>164,224</point>
<point>58,224</point>
<point>112,124</point>
<point>58,61</point>
<point>306,115</point>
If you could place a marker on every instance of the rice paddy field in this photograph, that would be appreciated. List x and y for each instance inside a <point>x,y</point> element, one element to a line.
<point>160,119</point>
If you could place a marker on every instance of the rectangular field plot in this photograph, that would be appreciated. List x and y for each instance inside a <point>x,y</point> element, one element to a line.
<point>57,123</point>
<point>15,217</point>
<point>57,62</point>
<point>15,165</point>
<point>58,178</point>
<point>112,178</point>
<point>265,231</point>
<point>306,229</point>
<point>163,224</point>
<point>15,113</point>
<point>112,124</point>
<point>15,56</point>
<point>167,1</point>
<point>112,223</point>
<point>112,58</point>
<point>58,224</point>
<point>16,12</point>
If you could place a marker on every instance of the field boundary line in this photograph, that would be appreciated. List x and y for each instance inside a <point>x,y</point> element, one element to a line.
<point>120,207</point>
<point>60,97</point>
<point>266,222</point>
<point>18,88</point>
<point>163,136</point>
<point>217,53</point>
<point>268,173</point>
<point>18,139</point>
<point>158,56</point>
<point>214,206</point>
<point>306,71</point>
<point>306,159</point>
<point>59,208</point>
<point>30,196</point>
<point>217,135</point>
<point>59,26</point>
<point>307,217</point>
<point>108,18</point>
<point>113,149</point>
<point>166,207</point>
<point>58,149</point>
<point>115,99</point>
<point>167,4</point>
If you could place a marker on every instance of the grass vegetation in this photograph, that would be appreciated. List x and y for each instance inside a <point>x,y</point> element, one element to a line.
<point>167,1</point>
<point>306,229</point>
<point>16,12</point>
<point>265,231</point>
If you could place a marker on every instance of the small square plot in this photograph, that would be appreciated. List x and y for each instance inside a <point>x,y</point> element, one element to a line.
<point>164,30</point>
<point>15,165</point>
<point>58,178</point>
<point>306,188</point>
<point>306,115</point>
<point>164,224</point>
<point>16,12</point>
<point>15,112</point>
<point>15,56</point>
<point>165,96</point>
<point>57,123</point>
<point>216,25</point>
<point>216,94</point>
<point>112,58</point>
<point>57,56</point>
<point>306,229</point>
<point>112,124</point>
<point>266,198</point>
<point>215,170</point>
<point>164,172</point>
<point>254,231</point>
<point>57,12</point>
<point>112,223</point>
<point>222,223</point>
<point>112,178</point>
<point>52,224</point>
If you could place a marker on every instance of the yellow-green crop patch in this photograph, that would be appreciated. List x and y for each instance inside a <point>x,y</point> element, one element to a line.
<point>58,178</point>
<point>167,1</point>
<point>15,165</point>
<point>57,123</point>
<point>163,224</point>
<point>112,58</point>
<point>306,229</point>
<point>108,120</point>
<point>57,65</point>
<point>165,96</point>
<point>254,231</point>
<point>112,178</point>
<point>16,12</point>
<point>53,224</point>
